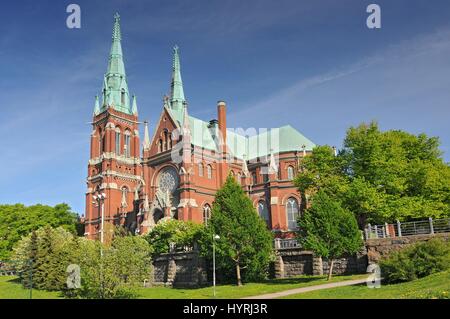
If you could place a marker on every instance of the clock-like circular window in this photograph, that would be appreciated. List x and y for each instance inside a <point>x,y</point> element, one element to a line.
<point>168,180</point>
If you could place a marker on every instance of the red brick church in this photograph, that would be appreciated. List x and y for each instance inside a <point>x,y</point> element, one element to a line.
<point>176,172</point>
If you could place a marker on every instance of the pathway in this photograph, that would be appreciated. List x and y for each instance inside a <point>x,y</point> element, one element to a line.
<point>306,289</point>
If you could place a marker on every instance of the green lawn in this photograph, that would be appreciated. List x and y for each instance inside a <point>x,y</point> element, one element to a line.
<point>433,286</point>
<point>10,288</point>
<point>232,291</point>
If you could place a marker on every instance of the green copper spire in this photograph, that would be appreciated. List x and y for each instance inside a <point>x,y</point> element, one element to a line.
<point>176,88</point>
<point>115,87</point>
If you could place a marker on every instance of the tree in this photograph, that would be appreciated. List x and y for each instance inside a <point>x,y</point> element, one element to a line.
<point>381,176</point>
<point>174,231</point>
<point>46,253</point>
<point>18,220</point>
<point>245,242</point>
<point>329,230</point>
<point>126,263</point>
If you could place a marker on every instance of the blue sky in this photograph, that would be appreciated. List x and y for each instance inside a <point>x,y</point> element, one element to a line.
<point>312,64</point>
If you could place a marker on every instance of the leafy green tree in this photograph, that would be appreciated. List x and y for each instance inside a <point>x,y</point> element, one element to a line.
<point>18,220</point>
<point>125,264</point>
<point>381,176</point>
<point>174,231</point>
<point>329,230</point>
<point>245,242</point>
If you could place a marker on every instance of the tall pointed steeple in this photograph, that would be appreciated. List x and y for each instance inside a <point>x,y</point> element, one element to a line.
<point>176,88</point>
<point>115,87</point>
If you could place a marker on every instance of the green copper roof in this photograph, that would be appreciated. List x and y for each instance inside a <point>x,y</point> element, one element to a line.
<point>276,140</point>
<point>176,87</point>
<point>115,88</point>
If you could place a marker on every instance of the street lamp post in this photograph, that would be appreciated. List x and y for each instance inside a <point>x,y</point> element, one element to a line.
<point>215,237</point>
<point>100,201</point>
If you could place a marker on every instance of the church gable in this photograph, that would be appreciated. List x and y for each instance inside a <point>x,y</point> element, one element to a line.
<point>162,137</point>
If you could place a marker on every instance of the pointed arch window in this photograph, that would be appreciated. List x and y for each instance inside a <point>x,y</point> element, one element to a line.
<point>290,173</point>
<point>117,148</point>
<point>165,140</point>
<point>265,177</point>
<point>127,143</point>
<point>254,178</point>
<point>200,169</point>
<point>209,171</point>
<point>206,214</point>
<point>292,211</point>
<point>239,178</point>
<point>263,212</point>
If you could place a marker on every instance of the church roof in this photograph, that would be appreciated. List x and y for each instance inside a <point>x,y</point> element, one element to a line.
<point>276,140</point>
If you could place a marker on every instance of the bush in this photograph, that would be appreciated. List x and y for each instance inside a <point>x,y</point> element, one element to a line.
<point>179,232</point>
<point>125,264</point>
<point>417,261</point>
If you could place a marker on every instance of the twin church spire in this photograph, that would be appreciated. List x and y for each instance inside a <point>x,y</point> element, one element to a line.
<point>115,93</point>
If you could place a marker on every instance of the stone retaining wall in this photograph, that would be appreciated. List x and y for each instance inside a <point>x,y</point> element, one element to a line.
<point>382,247</point>
<point>180,269</point>
<point>294,262</point>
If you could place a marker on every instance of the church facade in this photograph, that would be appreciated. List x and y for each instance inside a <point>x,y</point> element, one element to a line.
<point>176,172</point>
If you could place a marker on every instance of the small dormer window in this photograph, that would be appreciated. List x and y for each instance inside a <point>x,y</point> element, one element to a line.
<point>122,97</point>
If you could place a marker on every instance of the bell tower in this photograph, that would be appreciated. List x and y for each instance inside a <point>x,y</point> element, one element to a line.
<point>114,167</point>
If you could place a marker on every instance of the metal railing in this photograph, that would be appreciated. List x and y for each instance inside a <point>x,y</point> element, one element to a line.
<point>286,243</point>
<point>422,227</point>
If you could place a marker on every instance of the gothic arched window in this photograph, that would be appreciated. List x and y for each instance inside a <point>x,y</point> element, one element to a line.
<point>127,144</point>
<point>117,141</point>
<point>209,171</point>
<point>292,212</point>
<point>263,212</point>
<point>254,178</point>
<point>239,177</point>
<point>290,173</point>
<point>206,214</point>
<point>166,140</point>
<point>200,169</point>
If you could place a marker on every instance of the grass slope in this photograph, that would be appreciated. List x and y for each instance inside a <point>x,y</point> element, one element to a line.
<point>433,286</point>
<point>11,288</point>
<point>232,291</point>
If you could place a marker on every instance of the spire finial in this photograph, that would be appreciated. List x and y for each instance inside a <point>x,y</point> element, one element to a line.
<point>146,136</point>
<point>134,109</point>
<point>176,89</point>
<point>244,166</point>
<point>273,165</point>
<point>116,29</point>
